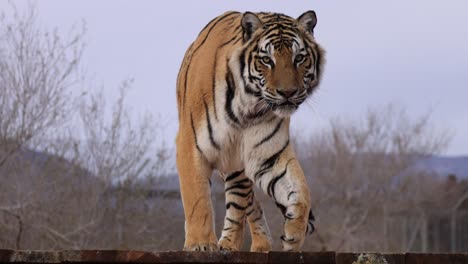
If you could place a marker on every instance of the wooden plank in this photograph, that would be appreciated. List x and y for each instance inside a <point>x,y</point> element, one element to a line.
<point>172,257</point>
<point>440,258</point>
<point>349,258</point>
<point>301,257</point>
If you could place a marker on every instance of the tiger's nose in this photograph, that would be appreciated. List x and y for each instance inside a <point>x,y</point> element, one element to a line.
<point>286,93</point>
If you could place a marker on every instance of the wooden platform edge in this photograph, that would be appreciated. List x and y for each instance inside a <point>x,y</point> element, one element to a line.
<point>172,257</point>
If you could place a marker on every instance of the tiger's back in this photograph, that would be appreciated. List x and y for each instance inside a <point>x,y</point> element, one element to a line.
<point>202,61</point>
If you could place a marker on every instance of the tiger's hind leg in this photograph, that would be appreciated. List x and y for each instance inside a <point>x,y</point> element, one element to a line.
<point>241,204</point>
<point>238,191</point>
<point>259,231</point>
<point>194,172</point>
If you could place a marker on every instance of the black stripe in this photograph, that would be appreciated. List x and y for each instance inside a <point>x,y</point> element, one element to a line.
<point>291,34</point>
<point>281,28</point>
<point>233,38</point>
<point>230,96</point>
<point>241,194</point>
<point>271,135</point>
<point>237,41</point>
<point>281,207</point>
<point>280,36</point>
<point>239,186</point>
<point>269,31</point>
<point>275,24</point>
<point>242,181</point>
<point>257,219</point>
<point>210,129</point>
<point>291,193</point>
<point>242,68</point>
<point>249,65</point>
<point>274,181</point>
<point>234,175</point>
<point>178,97</point>
<point>195,134</point>
<point>289,240</point>
<point>270,162</point>
<point>201,44</point>
<point>310,225</point>
<point>229,41</point>
<point>249,90</point>
<point>255,115</point>
<point>237,206</point>
<point>282,25</point>
<point>274,158</point>
<point>270,15</point>
<point>227,238</point>
<point>250,212</point>
<point>311,216</point>
<point>213,85</point>
<point>232,221</point>
<point>311,76</point>
<point>319,58</point>
<point>313,54</point>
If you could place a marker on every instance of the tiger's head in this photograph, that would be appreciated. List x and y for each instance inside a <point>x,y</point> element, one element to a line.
<point>280,62</point>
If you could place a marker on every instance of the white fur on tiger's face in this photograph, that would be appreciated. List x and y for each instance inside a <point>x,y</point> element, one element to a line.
<point>239,82</point>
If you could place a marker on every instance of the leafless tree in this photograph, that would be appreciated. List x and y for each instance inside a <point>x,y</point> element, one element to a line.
<point>37,70</point>
<point>360,170</point>
<point>62,152</point>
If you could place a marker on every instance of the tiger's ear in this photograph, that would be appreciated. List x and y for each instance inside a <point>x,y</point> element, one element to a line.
<point>250,23</point>
<point>308,20</point>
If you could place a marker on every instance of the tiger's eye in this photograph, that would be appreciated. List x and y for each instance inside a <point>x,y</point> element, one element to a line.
<point>266,60</point>
<point>299,58</point>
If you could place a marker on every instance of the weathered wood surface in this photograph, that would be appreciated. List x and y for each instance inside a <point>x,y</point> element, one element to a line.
<point>116,256</point>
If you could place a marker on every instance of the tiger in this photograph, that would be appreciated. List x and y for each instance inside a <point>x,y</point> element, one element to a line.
<point>238,85</point>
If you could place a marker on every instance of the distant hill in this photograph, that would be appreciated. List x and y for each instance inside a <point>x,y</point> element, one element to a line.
<point>444,166</point>
<point>438,165</point>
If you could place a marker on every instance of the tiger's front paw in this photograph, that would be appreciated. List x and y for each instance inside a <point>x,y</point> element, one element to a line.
<point>226,244</point>
<point>260,243</point>
<point>298,220</point>
<point>261,246</point>
<point>201,247</point>
<point>293,243</point>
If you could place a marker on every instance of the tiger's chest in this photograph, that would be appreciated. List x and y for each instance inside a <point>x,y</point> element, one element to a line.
<point>222,145</point>
<point>227,146</point>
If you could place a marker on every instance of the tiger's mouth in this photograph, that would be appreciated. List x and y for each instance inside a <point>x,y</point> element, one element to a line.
<point>284,109</point>
<point>285,105</point>
<point>281,107</point>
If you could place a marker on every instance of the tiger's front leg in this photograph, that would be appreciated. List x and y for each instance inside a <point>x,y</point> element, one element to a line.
<point>293,199</point>
<point>194,172</point>
<point>273,166</point>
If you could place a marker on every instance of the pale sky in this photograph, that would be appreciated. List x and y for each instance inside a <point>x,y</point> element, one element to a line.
<point>412,53</point>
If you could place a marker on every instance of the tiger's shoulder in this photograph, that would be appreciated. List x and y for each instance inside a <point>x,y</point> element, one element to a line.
<point>208,52</point>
